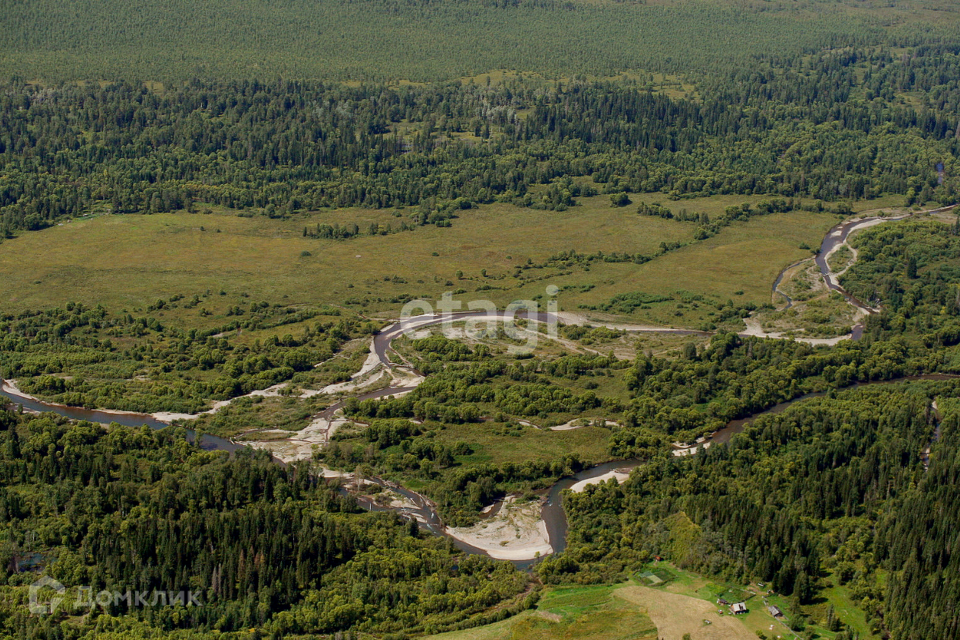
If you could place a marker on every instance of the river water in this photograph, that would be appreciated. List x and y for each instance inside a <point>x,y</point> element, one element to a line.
<point>207,442</point>
<point>836,237</point>
<point>423,510</point>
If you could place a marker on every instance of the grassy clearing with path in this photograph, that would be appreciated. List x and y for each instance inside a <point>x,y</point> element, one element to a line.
<point>680,604</point>
<point>680,584</point>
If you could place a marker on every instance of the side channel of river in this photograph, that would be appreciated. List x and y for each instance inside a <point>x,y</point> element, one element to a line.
<point>421,508</point>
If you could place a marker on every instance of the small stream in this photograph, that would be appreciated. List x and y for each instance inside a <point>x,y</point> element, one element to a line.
<point>776,284</point>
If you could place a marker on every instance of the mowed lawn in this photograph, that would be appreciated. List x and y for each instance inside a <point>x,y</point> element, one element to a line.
<point>130,261</point>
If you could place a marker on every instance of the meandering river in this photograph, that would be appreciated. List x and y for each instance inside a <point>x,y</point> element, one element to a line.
<point>422,509</point>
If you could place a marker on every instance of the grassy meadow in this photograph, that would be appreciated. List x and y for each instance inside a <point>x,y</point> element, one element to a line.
<point>499,445</point>
<point>128,262</point>
<point>679,584</point>
<point>569,613</point>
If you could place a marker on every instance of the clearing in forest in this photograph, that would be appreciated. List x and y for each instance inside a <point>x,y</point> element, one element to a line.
<point>570,613</point>
<point>676,614</point>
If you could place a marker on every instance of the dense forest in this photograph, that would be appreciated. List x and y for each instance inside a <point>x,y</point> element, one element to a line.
<point>259,545</point>
<point>428,40</point>
<point>831,129</point>
<point>913,270</point>
<point>835,487</point>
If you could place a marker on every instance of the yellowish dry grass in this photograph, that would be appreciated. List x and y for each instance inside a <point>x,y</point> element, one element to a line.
<point>676,615</point>
<point>131,261</point>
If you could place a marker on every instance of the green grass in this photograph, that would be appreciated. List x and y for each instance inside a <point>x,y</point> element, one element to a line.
<point>840,259</point>
<point>744,257</point>
<point>824,316</point>
<point>253,414</point>
<point>590,443</point>
<point>130,261</point>
<point>569,613</point>
<point>687,583</point>
<point>607,383</point>
<point>844,606</point>
<point>337,369</point>
<point>681,581</point>
<point>492,443</point>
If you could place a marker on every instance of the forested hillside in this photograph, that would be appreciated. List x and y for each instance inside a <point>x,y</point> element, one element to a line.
<point>833,491</point>
<point>259,545</point>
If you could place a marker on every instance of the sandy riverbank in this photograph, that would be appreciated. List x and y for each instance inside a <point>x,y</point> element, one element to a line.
<point>299,445</point>
<point>517,532</point>
<point>580,423</point>
<point>754,329</point>
<point>580,320</point>
<point>10,386</point>
<point>619,476</point>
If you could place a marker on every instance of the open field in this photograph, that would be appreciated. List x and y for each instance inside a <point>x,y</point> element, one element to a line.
<point>741,262</point>
<point>676,615</point>
<point>133,260</point>
<point>128,262</point>
<point>570,613</point>
<point>680,587</point>
<point>496,444</point>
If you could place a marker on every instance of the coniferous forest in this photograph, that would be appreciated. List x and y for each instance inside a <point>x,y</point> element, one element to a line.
<point>822,131</point>
<point>259,545</point>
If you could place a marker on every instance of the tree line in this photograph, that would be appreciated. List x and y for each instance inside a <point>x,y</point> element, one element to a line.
<point>277,148</point>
